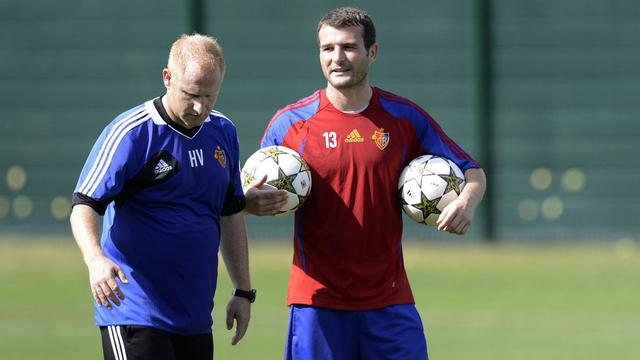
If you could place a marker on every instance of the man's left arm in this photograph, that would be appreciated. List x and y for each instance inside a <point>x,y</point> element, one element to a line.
<point>457,217</point>
<point>235,252</point>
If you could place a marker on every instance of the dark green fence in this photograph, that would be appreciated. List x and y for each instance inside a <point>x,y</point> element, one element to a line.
<point>558,122</point>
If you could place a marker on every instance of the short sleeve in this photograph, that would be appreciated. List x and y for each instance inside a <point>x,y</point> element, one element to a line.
<point>433,140</point>
<point>111,162</point>
<point>234,201</point>
<point>429,136</point>
<point>275,132</point>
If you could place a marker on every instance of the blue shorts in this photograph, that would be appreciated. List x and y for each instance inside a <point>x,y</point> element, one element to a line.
<point>394,332</point>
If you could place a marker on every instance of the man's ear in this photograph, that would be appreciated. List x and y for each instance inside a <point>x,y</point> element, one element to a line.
<point>373,53</point>
<point>166,78</point>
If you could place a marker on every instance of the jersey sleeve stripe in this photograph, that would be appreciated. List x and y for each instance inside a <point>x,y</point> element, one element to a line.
<point>299,104</point>
<point>112,151</point>
<point>219,114</point>
<point>108,149</point>
<point>100,157</point>
<point>104,150</point>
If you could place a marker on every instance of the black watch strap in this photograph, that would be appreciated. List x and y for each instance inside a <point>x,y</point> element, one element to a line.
<point>249,295</point>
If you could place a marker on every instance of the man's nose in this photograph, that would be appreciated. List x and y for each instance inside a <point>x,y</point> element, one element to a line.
<point>198,106</point>
<point>338,55</point>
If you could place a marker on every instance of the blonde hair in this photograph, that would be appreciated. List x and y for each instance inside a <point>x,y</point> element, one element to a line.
<point>201,49</point>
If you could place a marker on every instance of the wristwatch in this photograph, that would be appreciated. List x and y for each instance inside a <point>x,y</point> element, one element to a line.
<point>249,295</point>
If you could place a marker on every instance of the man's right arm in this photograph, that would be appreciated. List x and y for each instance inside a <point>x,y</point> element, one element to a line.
<point>102,271</point>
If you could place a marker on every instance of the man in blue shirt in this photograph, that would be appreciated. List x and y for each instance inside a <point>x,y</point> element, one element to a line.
<point>165,175</point>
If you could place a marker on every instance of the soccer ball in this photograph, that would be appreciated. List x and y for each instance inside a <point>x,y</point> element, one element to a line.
<point>285,170</point>
<point>427,185</point>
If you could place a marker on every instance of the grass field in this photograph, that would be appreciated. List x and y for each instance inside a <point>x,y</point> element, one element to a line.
<point>508,302</point>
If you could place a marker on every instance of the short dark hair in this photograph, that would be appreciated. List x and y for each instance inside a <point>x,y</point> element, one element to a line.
<point>351,16</point>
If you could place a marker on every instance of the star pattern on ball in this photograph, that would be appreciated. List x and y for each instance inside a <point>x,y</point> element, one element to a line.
<point>273,153</point>
<point>249,178</point>
<point>427,206</point>
<point>284,181</point>
<point>303,165</point>
<point>453,182</point>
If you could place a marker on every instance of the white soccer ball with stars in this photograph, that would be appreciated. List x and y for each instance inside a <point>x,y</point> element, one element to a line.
<point>285,170</point>
<point>427,185</point>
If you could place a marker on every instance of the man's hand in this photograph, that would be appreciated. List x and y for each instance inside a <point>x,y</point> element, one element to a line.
<point>456,217</point>
<point>263,199</point>
<point>239,309</point>
<point>102,276</point>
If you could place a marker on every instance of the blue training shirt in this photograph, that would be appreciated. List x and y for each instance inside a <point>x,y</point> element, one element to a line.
<point>162,190</point>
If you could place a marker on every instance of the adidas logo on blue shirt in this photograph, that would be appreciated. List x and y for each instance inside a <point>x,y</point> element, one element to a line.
<point>162,167</point>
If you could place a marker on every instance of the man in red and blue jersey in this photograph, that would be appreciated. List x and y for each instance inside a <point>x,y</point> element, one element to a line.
<point>348,289</point>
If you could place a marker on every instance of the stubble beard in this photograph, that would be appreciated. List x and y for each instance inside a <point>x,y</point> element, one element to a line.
<point>342,84</point>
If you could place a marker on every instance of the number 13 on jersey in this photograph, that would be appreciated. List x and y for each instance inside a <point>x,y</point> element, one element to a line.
<point>330,139</point>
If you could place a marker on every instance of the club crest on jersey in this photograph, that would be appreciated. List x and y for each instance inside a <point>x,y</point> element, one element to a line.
<point>354,137</point>
<point>219,155</point>
<point>381,138</point>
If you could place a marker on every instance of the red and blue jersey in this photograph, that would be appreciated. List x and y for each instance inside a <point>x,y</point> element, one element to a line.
<point>347,236</point>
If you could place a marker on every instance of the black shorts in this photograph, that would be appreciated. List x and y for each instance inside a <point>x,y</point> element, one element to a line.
<point>145,343</point>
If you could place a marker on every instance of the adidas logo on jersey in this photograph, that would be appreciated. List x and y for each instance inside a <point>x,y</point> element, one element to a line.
<point>162,167</point>
<point>354,136</point>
